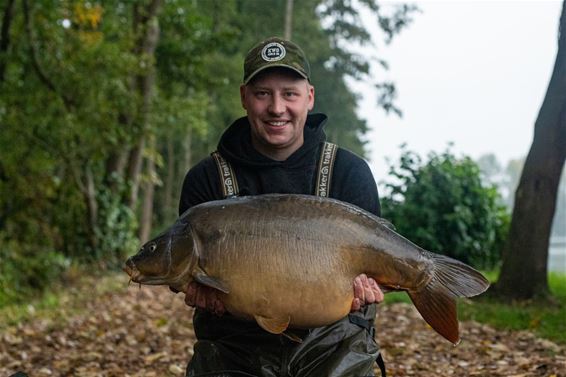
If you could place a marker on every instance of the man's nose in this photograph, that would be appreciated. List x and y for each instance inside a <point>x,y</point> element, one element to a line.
<point>277,105</point>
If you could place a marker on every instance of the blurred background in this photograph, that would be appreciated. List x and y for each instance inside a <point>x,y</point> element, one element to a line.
<point>104,106</point>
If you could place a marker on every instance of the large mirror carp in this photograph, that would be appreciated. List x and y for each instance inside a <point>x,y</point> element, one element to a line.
<point>290,261</point>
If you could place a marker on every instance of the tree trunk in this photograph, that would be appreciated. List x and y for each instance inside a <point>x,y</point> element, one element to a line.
<point>149,193</point>
<point>187,160</point>
<point>5,36</point>
<point>115,165</point>
<point>147,26</point>
<point>525,255</point>
<point>289,20</point>
<point>146,86</point>
<point>169,211</point>
<point>134,170</point>
<point>114,169</point>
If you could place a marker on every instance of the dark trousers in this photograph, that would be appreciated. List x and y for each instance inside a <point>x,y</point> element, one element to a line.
<point>230,347</point>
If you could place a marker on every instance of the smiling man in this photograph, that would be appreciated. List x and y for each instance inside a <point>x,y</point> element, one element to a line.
<point>280,148</point>
<point>277,102</point>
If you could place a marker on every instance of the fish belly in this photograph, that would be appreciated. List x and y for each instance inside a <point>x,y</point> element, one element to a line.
<point>305,281</point>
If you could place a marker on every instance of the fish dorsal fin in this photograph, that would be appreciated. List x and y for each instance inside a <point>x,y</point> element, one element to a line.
<point>273,325</point>
<point>202,277</point>
<point>386,223</point>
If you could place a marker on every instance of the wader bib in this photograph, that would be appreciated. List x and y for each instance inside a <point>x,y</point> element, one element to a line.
<point>230,347</point>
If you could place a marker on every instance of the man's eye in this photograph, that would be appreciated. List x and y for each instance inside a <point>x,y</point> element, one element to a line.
<point>261,93</point>
<point>290,94</point>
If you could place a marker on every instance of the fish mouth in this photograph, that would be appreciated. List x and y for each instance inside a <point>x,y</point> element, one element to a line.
<point>132,271</point>
<point>137,277</point>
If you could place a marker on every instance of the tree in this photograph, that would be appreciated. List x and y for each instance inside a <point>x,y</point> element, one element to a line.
<point>444,206</point>
<point>525,255</point>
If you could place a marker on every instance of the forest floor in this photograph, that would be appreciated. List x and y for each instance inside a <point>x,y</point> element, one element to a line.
<point>147,331</point>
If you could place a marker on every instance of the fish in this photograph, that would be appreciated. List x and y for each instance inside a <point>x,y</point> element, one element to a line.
<point>289,261</point>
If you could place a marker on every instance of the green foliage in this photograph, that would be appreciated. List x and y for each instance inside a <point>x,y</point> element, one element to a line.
<point>25,271</point>
<point>115,231</point>
<point>443,206</point>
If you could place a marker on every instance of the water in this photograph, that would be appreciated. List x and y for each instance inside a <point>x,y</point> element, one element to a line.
<point>557,255</point>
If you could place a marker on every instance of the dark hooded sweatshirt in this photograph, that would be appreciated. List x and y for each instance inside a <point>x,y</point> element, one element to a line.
<point>352,179</point>
<point>227,343</point>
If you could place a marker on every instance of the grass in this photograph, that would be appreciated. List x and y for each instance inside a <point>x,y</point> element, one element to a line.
<point>545,318</point>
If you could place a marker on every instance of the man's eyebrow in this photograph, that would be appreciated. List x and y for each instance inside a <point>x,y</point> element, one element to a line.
<point>291,87</point>
<point>286,87</point>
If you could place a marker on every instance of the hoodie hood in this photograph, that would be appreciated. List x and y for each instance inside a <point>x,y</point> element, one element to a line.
<point>236,144</point>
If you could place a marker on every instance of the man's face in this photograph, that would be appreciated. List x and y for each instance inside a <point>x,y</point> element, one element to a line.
<point>277,103</point>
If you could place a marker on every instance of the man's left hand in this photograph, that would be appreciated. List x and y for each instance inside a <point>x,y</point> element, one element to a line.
<point>366,291</point>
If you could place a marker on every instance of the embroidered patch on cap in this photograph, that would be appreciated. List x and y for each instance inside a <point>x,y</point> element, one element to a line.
<point>273,52</point>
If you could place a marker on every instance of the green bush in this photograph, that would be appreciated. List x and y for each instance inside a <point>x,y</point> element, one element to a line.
<point>25,272</point>
<point>28,261</point>
<point>443,206</point>
<point>115,231</point>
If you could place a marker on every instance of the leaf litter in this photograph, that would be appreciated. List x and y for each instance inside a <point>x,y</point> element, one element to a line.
<point>148,332</point>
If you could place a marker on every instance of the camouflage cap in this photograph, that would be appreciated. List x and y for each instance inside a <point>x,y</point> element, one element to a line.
<point>275,52</point>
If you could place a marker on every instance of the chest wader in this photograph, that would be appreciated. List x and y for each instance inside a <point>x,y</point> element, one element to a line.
<point>230,188</point>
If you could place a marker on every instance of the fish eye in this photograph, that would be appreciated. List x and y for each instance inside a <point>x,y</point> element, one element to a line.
<point>152,247</point>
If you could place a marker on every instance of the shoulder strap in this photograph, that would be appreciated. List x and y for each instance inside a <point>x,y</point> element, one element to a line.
<point>325,167</point>
<point>228,181</point>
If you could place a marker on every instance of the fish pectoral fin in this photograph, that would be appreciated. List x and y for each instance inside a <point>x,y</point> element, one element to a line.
<point>202,278</point>
<point>273,325</point>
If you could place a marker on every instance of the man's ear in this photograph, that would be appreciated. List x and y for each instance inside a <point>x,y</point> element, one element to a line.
<point>311,96</point>
<point>243,95</point>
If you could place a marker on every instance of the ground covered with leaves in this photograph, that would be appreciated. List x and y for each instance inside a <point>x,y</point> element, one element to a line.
<point>147,332</point>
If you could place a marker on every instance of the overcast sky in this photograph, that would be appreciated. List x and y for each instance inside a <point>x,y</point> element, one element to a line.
<point>469,72</point>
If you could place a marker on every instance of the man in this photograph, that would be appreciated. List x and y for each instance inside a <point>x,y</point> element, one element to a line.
<point>276,148</point>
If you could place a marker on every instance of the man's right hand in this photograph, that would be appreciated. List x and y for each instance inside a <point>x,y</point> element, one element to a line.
<point>203,297</point>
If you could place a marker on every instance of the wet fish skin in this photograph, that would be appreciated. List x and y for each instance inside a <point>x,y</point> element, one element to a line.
<point>290,260</point>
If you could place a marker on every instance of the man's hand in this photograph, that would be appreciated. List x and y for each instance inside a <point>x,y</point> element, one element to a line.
<point>203,297</point>
<point>366,291</point>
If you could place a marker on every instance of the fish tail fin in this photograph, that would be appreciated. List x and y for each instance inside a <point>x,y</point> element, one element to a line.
<point>436,301</point>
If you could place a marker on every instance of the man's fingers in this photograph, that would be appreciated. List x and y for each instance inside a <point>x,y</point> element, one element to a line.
<point>376,290</point>
<point>190,294</point>
<point>204,297</point>
<point>368,291</point>
<point>359,289</point>
<point>200,301</point>
<point>356,305</point>
<point>219,308</point>
<point>211,299</point>
<point>359,295</point>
